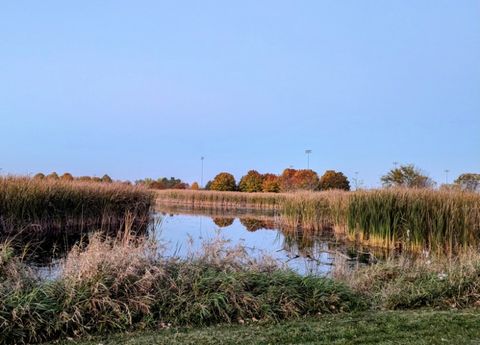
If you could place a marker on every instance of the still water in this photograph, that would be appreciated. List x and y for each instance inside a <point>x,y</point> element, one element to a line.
<point>181,232</point>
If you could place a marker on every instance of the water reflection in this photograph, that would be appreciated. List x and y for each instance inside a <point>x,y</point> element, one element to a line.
<point>183,230</point>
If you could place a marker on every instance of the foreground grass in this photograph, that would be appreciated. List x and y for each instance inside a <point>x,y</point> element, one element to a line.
<point>399,327</point>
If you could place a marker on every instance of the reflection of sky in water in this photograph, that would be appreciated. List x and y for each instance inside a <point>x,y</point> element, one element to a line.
<point>177,230</point>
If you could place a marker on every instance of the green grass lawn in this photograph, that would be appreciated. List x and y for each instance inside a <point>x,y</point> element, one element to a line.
<point>397,327</point>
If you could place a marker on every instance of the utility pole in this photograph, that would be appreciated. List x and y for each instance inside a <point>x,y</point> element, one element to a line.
<point>446,175</point>
<point>395,164</point>
<point>308,157</point>
<point>201,176</point>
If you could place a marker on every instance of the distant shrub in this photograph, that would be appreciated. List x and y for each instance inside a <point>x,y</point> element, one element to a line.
<point>195,186</point>
<point>224,182</point>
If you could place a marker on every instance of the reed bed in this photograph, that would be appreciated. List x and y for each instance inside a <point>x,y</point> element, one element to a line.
<point>49,206</point>
<point>413,219</point>
<point>123,284</point>
<point>220,200</point>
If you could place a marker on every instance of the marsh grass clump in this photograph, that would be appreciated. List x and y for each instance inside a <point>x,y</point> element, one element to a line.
<point>440,221</point>
<point>219,200</point>
<point>49,206</point>
<point>408,283</point>
<point>124,284</point>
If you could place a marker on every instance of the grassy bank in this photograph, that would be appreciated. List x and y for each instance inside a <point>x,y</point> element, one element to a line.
<point>49,206</point>
<point>376,328</point>
<point>122,285</point>
<point>441,221</point>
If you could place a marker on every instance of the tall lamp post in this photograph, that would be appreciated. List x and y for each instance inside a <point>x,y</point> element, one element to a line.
<point>308,152</point>
<point>201,176</point>
<point>446,175</point>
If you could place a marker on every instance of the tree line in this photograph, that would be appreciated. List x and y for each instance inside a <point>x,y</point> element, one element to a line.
<point>289,180</point>
<point>69,177</point>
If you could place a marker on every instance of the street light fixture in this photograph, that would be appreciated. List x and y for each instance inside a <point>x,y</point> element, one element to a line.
<point>308,152</point>
<point>201,176</point>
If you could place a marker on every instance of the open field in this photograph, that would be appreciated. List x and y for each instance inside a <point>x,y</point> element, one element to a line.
<point>443,221</point>
<point>50,206</point>
<point>425,327</point>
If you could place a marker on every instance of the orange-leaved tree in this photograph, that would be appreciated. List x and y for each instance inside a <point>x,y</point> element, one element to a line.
<point>270,183</point>
<point>334,180</point>
<point>223,182</point>
<point>251,182</point>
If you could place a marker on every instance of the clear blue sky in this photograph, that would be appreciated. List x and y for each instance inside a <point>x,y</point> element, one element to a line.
<point>144,88</point>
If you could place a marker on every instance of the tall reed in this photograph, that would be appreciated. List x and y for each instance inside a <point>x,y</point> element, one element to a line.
<point>391,218</point>
<point>49,205</point>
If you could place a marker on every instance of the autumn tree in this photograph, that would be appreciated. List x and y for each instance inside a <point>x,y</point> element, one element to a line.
<point>407,176</point>
<point>67,177</point>
<point>270,183</point>
<point>223,222</point>
<point>469,182</point>
<point>251,182</point>
<point>224,182</point>
<point>85,178</point>
<point>39,176</point>
<point>334,180</point>
<point>106,179</point>
<point>195,186</point>
<point>306,179</point>
<point>287,180</point>
<point>52,176</point>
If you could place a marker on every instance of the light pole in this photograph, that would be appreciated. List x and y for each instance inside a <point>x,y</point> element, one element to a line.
<point>395,164</point>
<point>356,180</point>
<point>446,175</point>
<point>201,176</point>
<point>308,157</point>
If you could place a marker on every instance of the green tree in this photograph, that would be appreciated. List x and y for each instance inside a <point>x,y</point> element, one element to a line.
<point>224,182</point>
<point>334,180</point>
<point>251,182</point>
<point>407,176</point>
<point>469,181</point>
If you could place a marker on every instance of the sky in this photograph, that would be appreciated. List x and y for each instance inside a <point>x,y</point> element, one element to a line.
<point>145,88</point>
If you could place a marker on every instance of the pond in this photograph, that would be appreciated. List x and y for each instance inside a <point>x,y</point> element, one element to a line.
<point>181,231</point>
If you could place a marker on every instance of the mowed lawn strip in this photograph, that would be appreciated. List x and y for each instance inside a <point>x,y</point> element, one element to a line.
<point>393,327</point>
